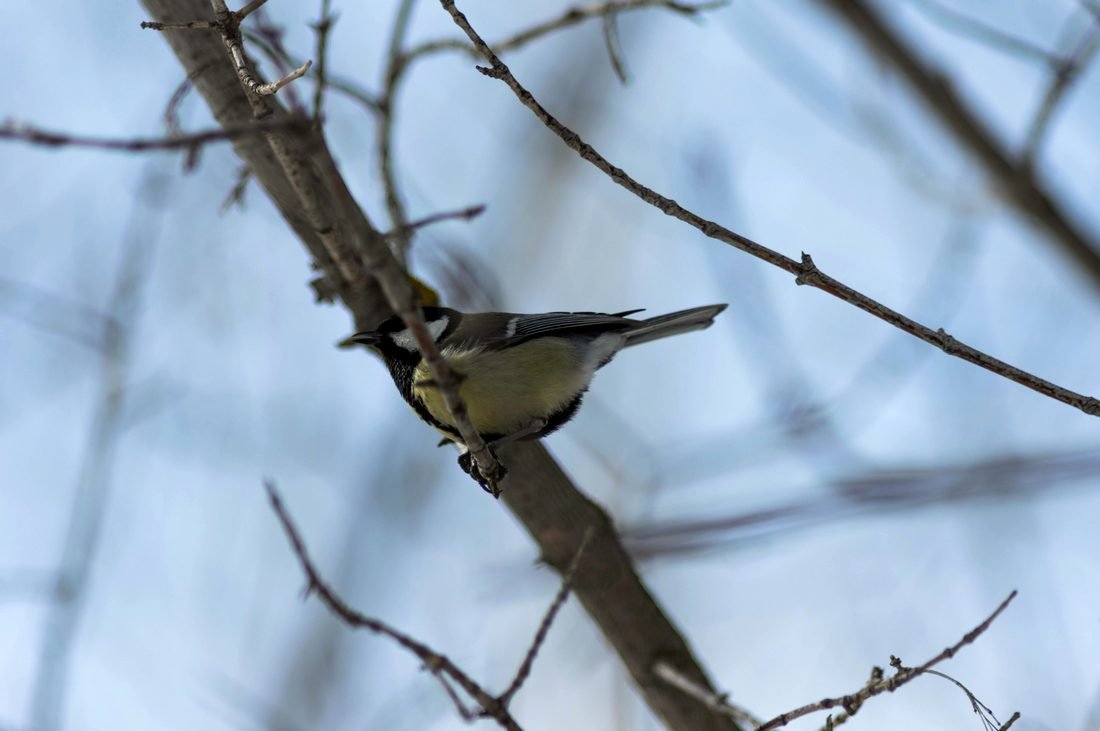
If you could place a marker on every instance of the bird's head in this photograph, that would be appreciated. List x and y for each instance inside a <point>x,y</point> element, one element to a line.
<point>393,340</point>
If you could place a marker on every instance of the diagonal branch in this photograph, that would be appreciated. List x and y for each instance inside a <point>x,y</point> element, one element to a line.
<point>537,491</point>
<point>13,130</point>
<point>880,684</point>
<point>438,665</point>
<point>547,620</point>
<point>1012,173</point>
<point>359,252</point>
<point>806,272</point>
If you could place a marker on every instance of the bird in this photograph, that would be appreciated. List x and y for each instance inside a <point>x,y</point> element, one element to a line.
<point>521,376</point>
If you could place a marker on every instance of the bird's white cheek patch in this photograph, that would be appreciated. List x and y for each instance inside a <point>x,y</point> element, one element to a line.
<point>404,338</point>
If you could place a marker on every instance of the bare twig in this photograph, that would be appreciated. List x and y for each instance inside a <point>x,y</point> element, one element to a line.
<point>1007,170</point>
<point>570,17</point>
<point>58,314</point>
<point>547,620</point>
<point>172,109</point>
<point>539,494</point>
<point>868,492</point>
<point>272,46</point>
<point>344,85</point>
<point>96,469</point>
<point>981,710</point>
<point>805,271</point>
<point>717,702</point>
<point>235,197</point>
<point>965,25</point>
<point>322,28</point>
<point>358,252</point>
<point>438,665</point>
<point>880,684</point>
<point>1065,75</point>
<point>391,77</point>
<point>463,214</point>
<point>227,23</point>
<point>14,130</point>
<point>614,47</point>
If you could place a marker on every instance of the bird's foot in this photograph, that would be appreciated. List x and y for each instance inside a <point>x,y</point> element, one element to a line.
<point>490,482</point>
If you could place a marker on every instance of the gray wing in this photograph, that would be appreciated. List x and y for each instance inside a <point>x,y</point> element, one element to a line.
<point>525,327</point>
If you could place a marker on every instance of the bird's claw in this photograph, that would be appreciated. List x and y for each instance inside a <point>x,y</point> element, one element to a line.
<point>490,483</point>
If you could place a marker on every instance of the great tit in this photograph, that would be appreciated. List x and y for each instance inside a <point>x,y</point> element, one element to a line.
<point>520,376</point>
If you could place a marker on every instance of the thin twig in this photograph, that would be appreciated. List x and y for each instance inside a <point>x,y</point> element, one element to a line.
<point>540,495</point>
<point>95,475</point>
<point>344,85</point>
<point>1064,77</point>
<point>273,47</point>
<point>172,109</point>
<point>323,27</point>
<point>614,47</point>
<point>227,23</point>
<point>880,684</point>
<point>438,665</point>
<point>249,8</point>
<point>570,17</point>
<point>15,130</point>
<point>805,271</point>
<point>235,197</point>
<point>80,322</point>
<point>463,214</point>
<point>964,25</point>
<point>547,620</point>
<point>358,253</point>
<point>981,710</point>
<point>386,103</point>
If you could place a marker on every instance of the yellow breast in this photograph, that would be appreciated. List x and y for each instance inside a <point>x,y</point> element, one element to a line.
<point>507,390</point>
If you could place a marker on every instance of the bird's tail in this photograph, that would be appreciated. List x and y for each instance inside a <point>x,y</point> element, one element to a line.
<point>674,323</point>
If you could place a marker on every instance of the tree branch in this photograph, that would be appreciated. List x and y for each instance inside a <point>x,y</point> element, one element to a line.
<point>1011,173</point>
<point>536,490</point>
<point>879,684</point>
<point>806,272</point>
<point>440,666</point>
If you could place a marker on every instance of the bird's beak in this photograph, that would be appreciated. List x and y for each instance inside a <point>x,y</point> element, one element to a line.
<point>368,338</point>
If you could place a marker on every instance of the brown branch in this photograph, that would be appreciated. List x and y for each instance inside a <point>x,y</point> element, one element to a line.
<point>357,252</point>
<point>1011,173</point>
<point>570,17</point>
<point>438,665</point>
<point>272,45</point>
<point>806,272</point>
<point>344,85</point>
<point>463,214</point>
<point>718,703</point>
<point>879,684</point>
<point>536,489</point>
<point>228,23</point>
<point>14,130</point>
